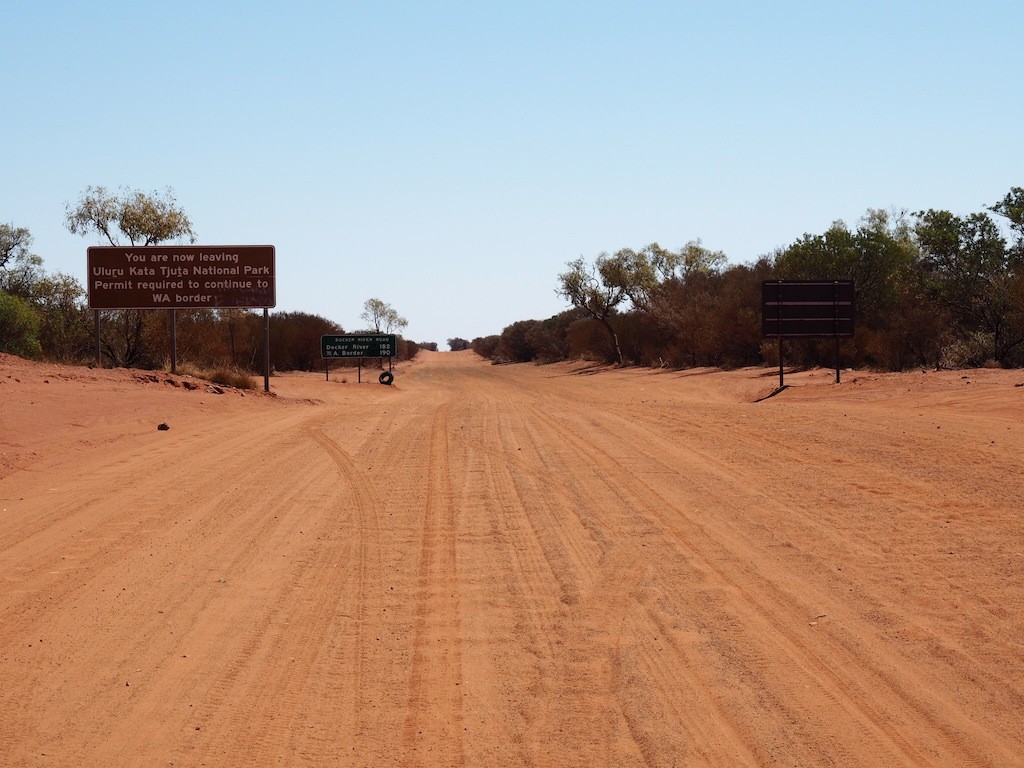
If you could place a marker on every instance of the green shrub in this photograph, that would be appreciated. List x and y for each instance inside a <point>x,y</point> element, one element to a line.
<point>19,327</point>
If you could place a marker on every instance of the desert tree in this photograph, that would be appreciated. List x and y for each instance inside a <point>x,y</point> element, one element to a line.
<point>599,290</point>
<point>692,258</point>
<point>15,244</point>
<point>970,269</point>
<point>135,218</point>
<point>550,338</point>
<point>57,300</point>
<point>485,345</point>
<point>240,337</point>
<point>1012,208</point>
<point>583,286</point>
<point>295,340</point>
<point>19,326</point>
<point>515,344</point>
<point>20,269</point>
<point>382,317</point>
<point>140,218</point>
<point>878,255</point>
<point>65,327</point>
<point>896,321</point>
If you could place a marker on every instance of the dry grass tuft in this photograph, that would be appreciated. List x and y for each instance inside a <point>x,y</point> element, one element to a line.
<point>227,375</point>
<point>232,377</point>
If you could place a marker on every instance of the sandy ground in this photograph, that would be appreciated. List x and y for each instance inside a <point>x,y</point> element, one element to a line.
<point>510,566</point>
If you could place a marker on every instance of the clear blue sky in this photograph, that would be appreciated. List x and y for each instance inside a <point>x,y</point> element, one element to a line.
<point>449,158</point>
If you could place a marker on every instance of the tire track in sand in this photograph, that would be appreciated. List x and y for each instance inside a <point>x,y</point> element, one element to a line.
<point>433,726</point>
<point>604,691</point>
<point>369,571</point>
<point>838,688</point>
<point>289,687</point>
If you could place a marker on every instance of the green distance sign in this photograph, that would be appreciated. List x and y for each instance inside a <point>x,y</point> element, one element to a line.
<point>353,345</point>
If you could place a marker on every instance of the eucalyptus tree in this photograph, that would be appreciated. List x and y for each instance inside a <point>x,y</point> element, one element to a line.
<point>140,218</point>
<point>970,269</point>
<point>1011,207</point>
<point>15,244</point>
<point>382,317</point>
<point>20,269</point>
<point>692,258</point>
<point>130,217</point>
<point>599,289</point>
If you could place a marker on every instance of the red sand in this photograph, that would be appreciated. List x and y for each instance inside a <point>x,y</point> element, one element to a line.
<point>512,566</point>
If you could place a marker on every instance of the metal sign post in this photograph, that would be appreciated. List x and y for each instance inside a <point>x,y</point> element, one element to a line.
<point>782,381</point>
<point>96,325</point>
<point>835,323</point>
<point>266,349</point>
<point>778,305</point>
<point>174,343</point>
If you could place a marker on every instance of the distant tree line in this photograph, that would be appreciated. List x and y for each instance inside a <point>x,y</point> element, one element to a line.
<point>45,316</point>
<point>933,289</point>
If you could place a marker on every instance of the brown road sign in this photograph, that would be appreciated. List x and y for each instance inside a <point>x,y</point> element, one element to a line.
<point>807,308</point>
<point>181,277</point>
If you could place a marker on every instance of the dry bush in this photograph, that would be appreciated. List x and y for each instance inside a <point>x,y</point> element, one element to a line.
<point>641,341</point>
<point>485,345</point>
<point>228,375</point>
<point>295,340</point>
<point>514,344</point>
<point>587,340</point>
<point>972,350</point>
<point>231,377</point>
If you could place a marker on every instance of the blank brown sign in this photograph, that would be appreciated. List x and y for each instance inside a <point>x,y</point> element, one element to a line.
<point>807,308</point>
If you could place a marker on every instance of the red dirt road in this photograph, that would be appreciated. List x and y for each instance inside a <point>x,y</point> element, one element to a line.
<point>509,566</point>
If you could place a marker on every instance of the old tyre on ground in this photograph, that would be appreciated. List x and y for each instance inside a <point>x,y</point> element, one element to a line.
<point>387,377</point>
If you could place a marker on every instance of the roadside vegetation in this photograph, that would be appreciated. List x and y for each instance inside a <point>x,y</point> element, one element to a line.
<point>45,316</point>
<point>934,289</point>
